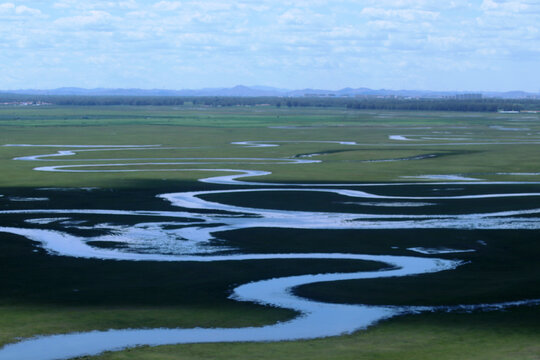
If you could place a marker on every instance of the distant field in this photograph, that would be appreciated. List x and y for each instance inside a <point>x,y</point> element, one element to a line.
<point>485,146</point>
<point>445,162</point>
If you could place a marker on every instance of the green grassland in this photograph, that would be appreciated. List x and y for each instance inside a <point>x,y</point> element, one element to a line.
<point>47,294</point>
<point>210,131</point>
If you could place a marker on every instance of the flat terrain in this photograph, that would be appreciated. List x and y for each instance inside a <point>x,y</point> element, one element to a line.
<point>445,162</point>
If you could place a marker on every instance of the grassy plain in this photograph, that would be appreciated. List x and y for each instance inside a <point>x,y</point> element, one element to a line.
<point>44,294</point>
<point>210,131</point>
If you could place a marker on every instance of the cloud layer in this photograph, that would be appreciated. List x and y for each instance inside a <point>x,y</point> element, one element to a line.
<point>455,45</point>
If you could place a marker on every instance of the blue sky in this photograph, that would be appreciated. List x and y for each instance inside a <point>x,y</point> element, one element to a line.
<point>393,44</point>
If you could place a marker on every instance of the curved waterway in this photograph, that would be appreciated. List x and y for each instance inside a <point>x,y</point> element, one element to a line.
<point>316,320</point>
<point>187,234</point>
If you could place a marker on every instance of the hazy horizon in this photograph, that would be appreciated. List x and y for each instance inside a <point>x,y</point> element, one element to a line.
<point>269,88</point>
<point>468,46</point>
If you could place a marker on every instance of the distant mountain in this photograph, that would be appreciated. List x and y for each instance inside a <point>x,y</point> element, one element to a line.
<point>254,91</point>
<point>235,91</point>
<point>240,90</point>
<point>74,91</point>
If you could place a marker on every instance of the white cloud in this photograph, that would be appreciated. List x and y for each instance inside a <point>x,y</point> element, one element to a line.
<point>141,14</point>
<point>168,5</point>
<point>401,14</point>
<point>5,7</point>
<point>505,6</point>
<point>213,6</point>
<point>129,4</point>
<point>266,39</point>
<point>294,17</point>
<point>91,20</point>
<point>95,4</point>
<point>384,25</point>
<point>25,10</point>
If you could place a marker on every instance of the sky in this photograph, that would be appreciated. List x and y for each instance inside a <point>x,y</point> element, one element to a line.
<point>490,45</point>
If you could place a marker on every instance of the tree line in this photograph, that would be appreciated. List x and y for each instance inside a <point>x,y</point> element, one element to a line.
<point>368,103</point>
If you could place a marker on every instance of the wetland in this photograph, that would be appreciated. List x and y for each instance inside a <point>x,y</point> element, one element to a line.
<point>235,225</point>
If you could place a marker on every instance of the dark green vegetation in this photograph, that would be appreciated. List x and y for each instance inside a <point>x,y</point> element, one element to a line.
<point>45,294</point>
<point>371,103</point>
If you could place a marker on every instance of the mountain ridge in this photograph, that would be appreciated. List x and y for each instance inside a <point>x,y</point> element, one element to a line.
<point>262,91</point>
